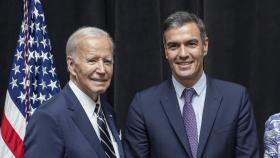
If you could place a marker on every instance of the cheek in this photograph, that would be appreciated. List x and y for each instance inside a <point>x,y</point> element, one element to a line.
<point>170,58</point>
<point>80,72</point>
<point>110,71</point>
<point>83,74</point>
<point>200,56</point>
<point>199,63</point>
<point>87,70</point>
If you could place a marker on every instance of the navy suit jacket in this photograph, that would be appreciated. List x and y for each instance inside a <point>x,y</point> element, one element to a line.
<point>155,127</point>
<point>60,128</point>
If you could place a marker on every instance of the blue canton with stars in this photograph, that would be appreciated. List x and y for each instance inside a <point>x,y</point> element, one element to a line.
<point>32,78</point>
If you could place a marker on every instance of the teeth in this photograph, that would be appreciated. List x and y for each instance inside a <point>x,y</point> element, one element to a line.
<point>184,62</point>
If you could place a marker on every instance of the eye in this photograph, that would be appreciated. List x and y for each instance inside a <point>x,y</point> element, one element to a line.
<point>192,43</point>
<point>92,61</point>
<point>108,62</point>
<point>172,46</point>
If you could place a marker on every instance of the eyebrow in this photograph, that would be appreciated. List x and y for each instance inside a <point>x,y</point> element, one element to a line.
<point>188,40</point>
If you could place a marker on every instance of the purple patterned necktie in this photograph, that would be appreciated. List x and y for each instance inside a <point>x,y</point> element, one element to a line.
<point>190,120</point>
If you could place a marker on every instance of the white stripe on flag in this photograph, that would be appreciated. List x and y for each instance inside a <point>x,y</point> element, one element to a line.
<point>4,150</point>
<point>14,116</point>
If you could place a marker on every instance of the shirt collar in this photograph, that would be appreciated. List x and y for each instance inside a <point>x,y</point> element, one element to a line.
<point>198,86</point>
<point>87,103</point>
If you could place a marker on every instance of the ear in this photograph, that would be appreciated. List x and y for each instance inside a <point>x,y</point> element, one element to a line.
<point>205,46</point>
<point>71,65</point>
<point>165,51</point>
<point>166,56</point>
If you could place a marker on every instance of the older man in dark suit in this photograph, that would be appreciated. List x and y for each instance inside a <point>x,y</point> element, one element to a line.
<point>77,123</point>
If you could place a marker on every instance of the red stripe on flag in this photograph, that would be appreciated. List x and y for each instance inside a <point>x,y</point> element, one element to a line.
<point>11,138</point>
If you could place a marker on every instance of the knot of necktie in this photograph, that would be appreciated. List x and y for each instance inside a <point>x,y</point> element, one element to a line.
<point>188,94</point>
<point>96,109</point>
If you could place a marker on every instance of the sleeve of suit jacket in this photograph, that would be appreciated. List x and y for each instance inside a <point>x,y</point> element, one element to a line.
<point>136,141</point>
<point>43,138</point>
<point>246,138</point>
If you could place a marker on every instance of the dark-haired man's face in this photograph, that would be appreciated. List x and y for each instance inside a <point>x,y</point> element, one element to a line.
<point>185,51</point>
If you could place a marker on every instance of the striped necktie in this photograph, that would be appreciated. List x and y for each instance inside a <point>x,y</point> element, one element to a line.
<point>104,133</point>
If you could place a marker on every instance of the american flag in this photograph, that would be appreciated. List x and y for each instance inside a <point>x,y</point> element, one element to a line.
<point>32,81</point>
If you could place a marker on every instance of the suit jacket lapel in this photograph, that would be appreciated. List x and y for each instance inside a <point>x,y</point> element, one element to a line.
<point>170,105</point>
<point>211,106</point>
<point>112,125</point>
<point>82,122</point>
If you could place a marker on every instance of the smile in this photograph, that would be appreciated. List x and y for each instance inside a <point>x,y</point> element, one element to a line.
<point>184,63</point>
<point>99,80</point>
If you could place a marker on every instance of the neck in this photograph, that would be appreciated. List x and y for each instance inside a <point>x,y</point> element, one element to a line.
<point>189,82</point>
<point>93,96</point>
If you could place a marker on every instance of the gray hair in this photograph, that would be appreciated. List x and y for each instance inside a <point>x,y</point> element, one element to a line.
<point>72,45</point>
<point>180,18</point>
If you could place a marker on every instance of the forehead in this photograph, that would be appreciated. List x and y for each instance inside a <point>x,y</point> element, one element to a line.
<point>186,31</point>
<point>95,46</point>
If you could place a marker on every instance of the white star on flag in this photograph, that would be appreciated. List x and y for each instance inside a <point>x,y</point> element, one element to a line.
<point>30,65</point>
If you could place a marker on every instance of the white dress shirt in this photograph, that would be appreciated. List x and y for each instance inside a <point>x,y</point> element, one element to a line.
<point>89,105</point>
<point>197,101</point>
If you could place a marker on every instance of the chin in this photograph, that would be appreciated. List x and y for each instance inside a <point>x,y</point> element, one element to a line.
<point>185,75</point>
<point>100,90</point>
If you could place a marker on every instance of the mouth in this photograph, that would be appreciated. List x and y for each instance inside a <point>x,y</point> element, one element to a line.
<point>184,65</point>
<point>184,62</point>
<point>99,80</point>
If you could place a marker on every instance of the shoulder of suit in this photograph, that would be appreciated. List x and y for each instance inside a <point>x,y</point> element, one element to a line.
<point>156,88</point>
<point>54,105</point>
<point>224,85</point>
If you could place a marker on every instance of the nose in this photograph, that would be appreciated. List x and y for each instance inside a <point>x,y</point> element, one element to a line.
<point>183,52</point>
<point>100,67</point>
